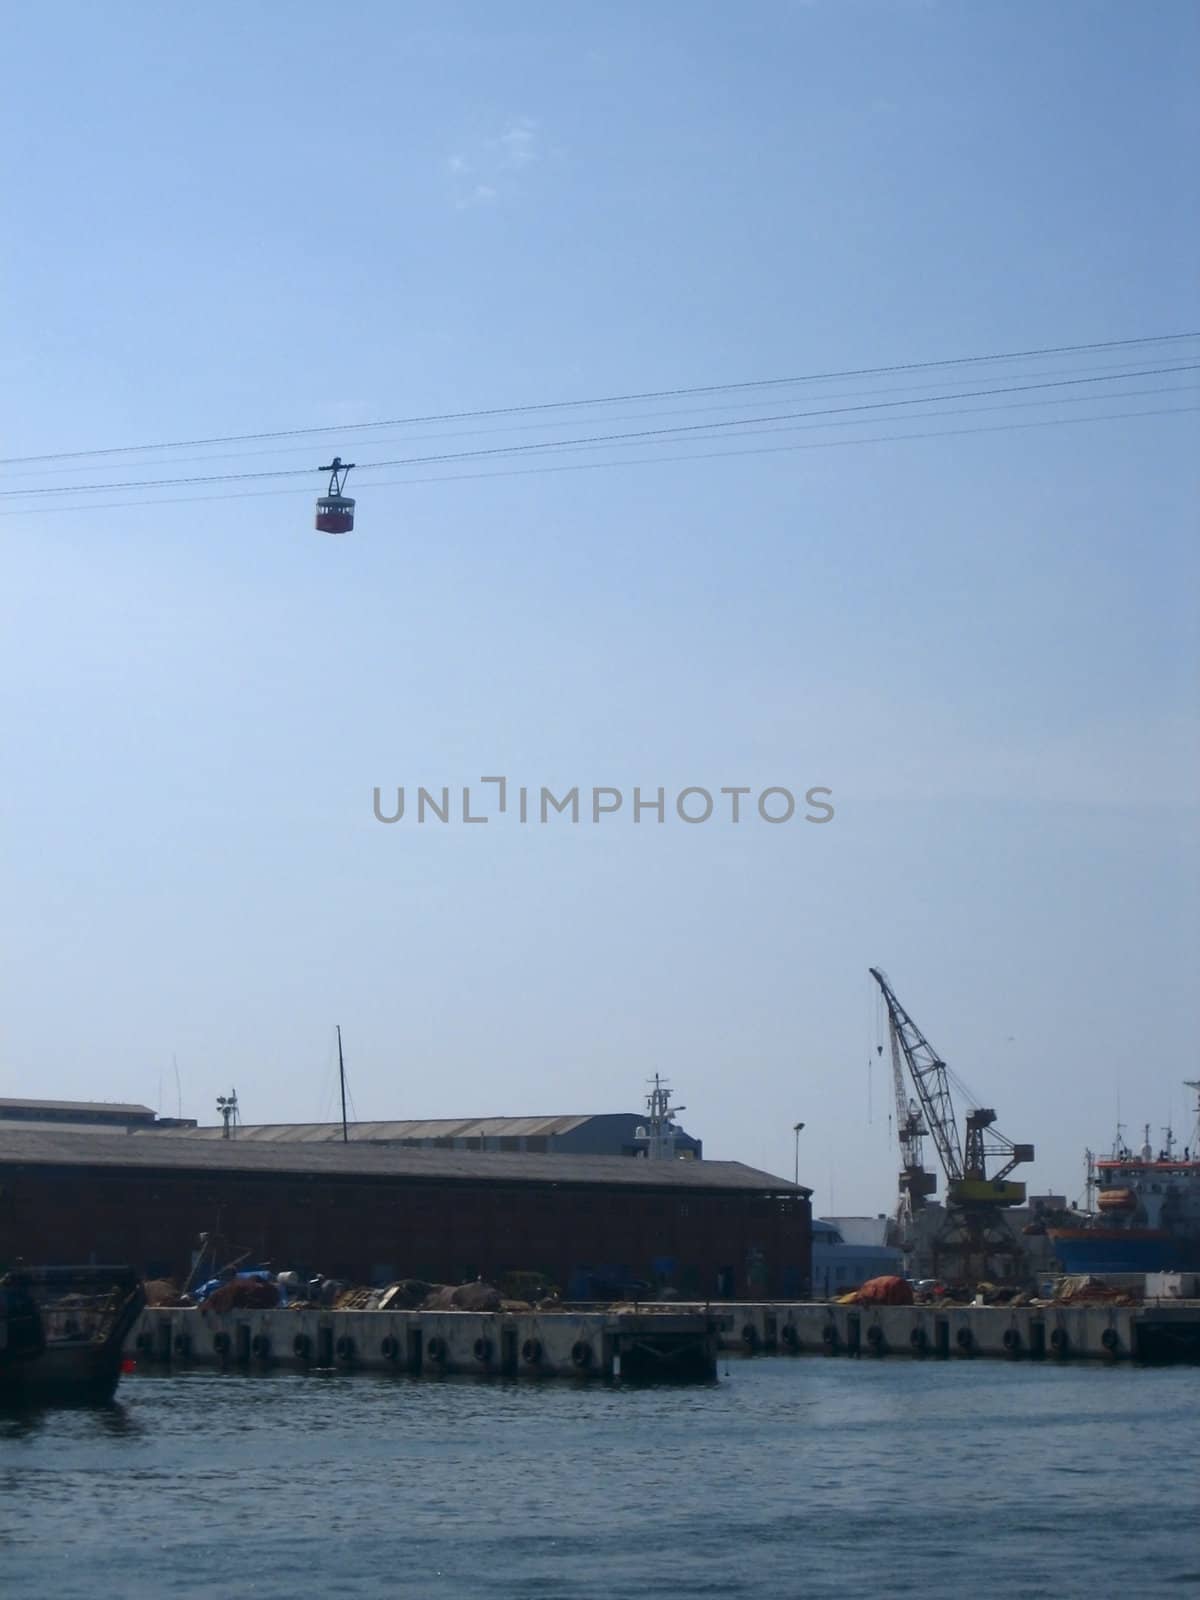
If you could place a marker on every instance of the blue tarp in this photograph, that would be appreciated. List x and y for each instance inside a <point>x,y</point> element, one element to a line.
<point>205,1289</point>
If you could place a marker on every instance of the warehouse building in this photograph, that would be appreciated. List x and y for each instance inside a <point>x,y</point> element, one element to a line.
<point>592,1225</point>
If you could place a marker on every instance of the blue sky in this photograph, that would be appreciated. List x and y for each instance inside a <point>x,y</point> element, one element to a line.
<point>984,643</point>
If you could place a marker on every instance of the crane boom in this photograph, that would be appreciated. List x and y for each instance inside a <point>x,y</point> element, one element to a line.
<point>916,1185</point>
<point>929,1077</point>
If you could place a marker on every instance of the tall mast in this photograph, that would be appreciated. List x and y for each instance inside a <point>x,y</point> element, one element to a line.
<point>342,1079</point>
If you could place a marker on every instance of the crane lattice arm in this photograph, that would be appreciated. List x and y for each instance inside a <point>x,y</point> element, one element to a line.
<point>929,1077</point>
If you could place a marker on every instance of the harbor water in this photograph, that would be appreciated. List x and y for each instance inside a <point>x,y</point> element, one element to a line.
<point>786,1478</point>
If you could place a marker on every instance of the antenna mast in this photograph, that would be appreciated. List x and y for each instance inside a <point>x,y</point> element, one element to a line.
<point>227,1105</point>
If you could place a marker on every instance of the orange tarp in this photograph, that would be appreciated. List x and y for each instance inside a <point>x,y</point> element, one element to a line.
<point>886,1292</point>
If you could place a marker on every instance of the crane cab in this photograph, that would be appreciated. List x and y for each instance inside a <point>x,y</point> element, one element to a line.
<point>989,1192</point>
<point>335,510</point>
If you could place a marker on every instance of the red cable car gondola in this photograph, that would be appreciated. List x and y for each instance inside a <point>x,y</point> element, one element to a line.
<point>335,511</point>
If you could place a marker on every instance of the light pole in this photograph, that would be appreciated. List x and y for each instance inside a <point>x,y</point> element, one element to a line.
<point>797,1129</point>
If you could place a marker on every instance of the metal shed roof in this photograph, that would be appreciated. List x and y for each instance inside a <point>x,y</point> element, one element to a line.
<point>204,1157</point>
<point>112,1107</point>
<point>380,1132</point>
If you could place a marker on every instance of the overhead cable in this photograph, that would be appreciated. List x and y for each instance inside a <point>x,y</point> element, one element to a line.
<point>610,399</point>
<point>635,435</point>
<point>626,461</point>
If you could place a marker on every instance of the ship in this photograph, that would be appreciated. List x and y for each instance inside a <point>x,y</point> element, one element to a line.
<point>1147,1209</point>
<point>63,1332</point>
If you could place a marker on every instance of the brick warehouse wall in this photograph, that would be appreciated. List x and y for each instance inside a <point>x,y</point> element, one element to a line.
<point>366,1227</point>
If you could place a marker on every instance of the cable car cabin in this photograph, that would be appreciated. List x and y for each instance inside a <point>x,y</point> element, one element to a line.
<point>335,511</point>
<point>335,514</point>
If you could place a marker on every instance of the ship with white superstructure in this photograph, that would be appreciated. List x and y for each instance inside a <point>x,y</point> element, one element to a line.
<point>1146,1216</point>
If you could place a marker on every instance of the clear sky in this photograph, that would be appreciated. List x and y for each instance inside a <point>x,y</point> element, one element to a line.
<point>239,219</point>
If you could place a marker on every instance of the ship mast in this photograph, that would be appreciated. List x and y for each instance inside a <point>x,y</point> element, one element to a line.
<point>658,1135</point>
<point>342,1080</point>
<point>1194,1085</point>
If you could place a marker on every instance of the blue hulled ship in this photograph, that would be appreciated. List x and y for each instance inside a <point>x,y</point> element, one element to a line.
<point>1147,1210</point>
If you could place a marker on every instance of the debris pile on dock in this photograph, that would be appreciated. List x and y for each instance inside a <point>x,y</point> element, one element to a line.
<point>243,1294</point>
<point>1082,1291</point>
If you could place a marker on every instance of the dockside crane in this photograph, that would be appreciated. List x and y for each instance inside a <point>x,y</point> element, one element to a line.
<point>917,1183</point>
<point>974,1240</point>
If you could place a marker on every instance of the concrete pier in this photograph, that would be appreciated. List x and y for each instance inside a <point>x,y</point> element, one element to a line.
<point>673,1343</point>
<point>1156,1331</point>
<point>671,1346</point>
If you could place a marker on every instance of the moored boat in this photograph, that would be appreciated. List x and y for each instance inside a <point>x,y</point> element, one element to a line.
<point>1147,1216</point>
<point>63,1331</point>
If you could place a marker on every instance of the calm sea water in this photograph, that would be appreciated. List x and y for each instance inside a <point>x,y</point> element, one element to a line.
<point>805,1477</point>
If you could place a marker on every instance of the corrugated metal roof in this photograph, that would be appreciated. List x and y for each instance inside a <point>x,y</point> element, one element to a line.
<point>92,1129</point>
<point>437,1128</point>
<point>109,1106</point>
<point>205,1156</point>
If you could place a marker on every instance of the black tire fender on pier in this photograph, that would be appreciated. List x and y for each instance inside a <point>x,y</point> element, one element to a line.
<point>182,1345</point>
<point>965,1339</point>
<point>260,1346</point>
<point>436,1350</point>
<point>829,1336</point>
<point>1011,1340</point>
<point>390,1348</point>
<point>531,1352</point>
<point>1059,1342</point>
<point>344,1348</point>
<point>919,1340</point>
<point>221,1343</point>
<point>750,1336</point>
<point>581,1353</point>
<point>875,1336</point>
<point>302,1347</point>
<point>1110,1339</point>
<point>789,1336</point>
<point>483,1350</point>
